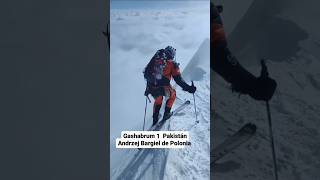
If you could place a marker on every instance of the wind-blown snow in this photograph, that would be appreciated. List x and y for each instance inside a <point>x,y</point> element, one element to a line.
<point>296,105</point>
<point>136,34</point>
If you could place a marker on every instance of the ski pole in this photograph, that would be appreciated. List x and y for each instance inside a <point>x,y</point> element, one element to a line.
<point>148,99</point>
<point>145,111</point>
<point>264,73</point>
<point>272,143</point>
<point>194,103</point>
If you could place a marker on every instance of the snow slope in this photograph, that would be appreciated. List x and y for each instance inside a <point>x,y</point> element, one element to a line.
<point>189,163</point>
<point>136,34</point>
<point>291,41</point>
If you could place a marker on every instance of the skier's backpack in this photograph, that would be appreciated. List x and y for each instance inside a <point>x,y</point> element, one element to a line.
<point>154,70</point>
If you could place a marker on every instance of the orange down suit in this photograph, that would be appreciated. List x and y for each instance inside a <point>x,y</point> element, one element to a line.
<point>170,70</point>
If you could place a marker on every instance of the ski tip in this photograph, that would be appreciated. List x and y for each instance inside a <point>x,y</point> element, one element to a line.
<point>250,127</point>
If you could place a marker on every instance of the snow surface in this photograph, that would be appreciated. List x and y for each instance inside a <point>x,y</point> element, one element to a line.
<point>136,34</point>
<point>294,52</point>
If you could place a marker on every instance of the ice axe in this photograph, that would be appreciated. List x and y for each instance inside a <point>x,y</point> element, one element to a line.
<point>194,103</point>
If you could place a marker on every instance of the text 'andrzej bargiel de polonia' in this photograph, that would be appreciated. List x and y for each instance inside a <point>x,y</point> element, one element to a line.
<point>153,139</point>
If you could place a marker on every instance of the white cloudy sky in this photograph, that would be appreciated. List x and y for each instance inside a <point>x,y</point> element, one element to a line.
<point>138,30</point>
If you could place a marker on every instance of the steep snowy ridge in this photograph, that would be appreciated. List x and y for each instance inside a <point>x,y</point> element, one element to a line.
<point>137,31</point>
<point>188,163</point>
<point>199,63</point>
<point>295,108</point>
<point>193,162</point>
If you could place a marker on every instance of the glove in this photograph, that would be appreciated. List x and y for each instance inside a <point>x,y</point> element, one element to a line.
<point>263,89</point>
<point>191,89</point>
<point>264,85</point>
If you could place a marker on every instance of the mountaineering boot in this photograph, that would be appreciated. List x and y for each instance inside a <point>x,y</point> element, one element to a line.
<point>167,113</point>
<point>155,116</point>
